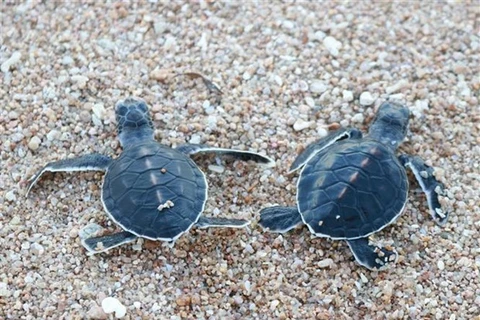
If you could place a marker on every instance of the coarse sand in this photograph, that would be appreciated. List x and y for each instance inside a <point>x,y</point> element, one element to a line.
<point>289,73</point>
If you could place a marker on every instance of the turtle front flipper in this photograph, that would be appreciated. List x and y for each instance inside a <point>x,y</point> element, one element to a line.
<point>205,222</point>
<point>190,149</point>
<point>430,186</point>
<point>317,146</point>
<point>369,256</point>
<point>89,162</point>
<point>104,243</point>
<point>280,219</point>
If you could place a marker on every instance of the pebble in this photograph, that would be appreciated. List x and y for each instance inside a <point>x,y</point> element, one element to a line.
<point>4,292</point>
<point>301,124</point>
<point>10,62</point>
<point>80,80</point>
<point>37,249</point>
<point>358,118</point>
<point>67,60</point>
<point>310,102</point>
<point>274,304</point>
<point>34,143</point>
<point>440,265</point>
<point>97,313</point>
<point>332,45</point>
<point>397,86</point>
<point>215,168</point>
<point>195,139</point>
<point>10,196</point>
<point>90,230</point>
<point>113,305</point>
<point>366,99</point>
<point>99,111</point>
<point>347,95</point>
<point>325,263</point>
<point>53,135</point>
<point>317,86</point>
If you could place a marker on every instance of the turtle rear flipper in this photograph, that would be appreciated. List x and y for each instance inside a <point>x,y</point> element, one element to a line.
<point>430,186</point>
<point>369,256</point>
<point>191,149</point>
<point>205,222</point>
<point>105,243</point>
<point>89,162</point>
<point>280,219</point>
<point>325,142</point>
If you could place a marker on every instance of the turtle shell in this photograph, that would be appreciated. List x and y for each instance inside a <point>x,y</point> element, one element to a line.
<point>351,189</point>
<point>154,191</point>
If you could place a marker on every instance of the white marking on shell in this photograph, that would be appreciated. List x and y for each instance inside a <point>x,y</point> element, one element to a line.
<point>424,174</point>
<point>342,193</point>
<point>365,162</point>
<point>166,205</point>
<point>320,222</point>
<point>148,163</point>
<point>354,177</point>
<point>153,178</point>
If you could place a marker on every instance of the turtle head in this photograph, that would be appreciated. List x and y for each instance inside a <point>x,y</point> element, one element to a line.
<point>134,123</point>
<point>390,124</point>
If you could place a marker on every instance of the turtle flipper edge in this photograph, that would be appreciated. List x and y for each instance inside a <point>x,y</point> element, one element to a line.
<point>280,219</point>
<point>89,162</point>
<point>371,257</point>
<point>209,222</point>
<point>315,147</point>
<point>105,243</point>
<point>430,186</point>
<point>190,149</point>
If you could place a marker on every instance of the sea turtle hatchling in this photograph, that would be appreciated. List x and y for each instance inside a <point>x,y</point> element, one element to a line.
<point>151,191</point>
<point>352,186</point>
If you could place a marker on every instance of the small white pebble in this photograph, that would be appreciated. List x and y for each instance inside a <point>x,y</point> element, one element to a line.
<point>347,95</point>
<point>111,304</point>
<point>53,135</point>
<point>195,139</point>
<point>310,102</point>
<point>325,263</point>
<point>37,249</point>
<point>137,304</point>
<point>318,87</point>
<point>34,143</point>
<point>397,86</point>
<point>366,98</point>
<point>332,45</point>
<point>215,168</point>
<point>90,230</point>
<point>99,110</point>
<point>363,278</point>
<point>274,304</point>
<point>14,59</point>
<point>300,125</point>
<point>440,265</point>
<point>358,117</point>
<point>10,196</point>
<point>4,292</point>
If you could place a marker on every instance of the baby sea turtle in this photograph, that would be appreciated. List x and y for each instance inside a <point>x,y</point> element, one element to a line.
<point>151,191</point>
<point>351,187</point>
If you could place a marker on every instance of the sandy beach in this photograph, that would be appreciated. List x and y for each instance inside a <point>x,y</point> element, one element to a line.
<point>289,73</point>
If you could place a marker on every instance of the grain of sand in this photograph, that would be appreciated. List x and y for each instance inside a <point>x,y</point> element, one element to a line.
<point>289,73</point>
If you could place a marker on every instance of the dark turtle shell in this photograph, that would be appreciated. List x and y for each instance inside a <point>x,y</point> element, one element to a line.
<point>352,189</point>
<point>147,176</point>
